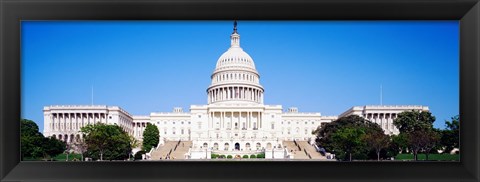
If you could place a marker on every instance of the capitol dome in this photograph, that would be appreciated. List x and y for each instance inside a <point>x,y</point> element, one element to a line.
<point>235,77</point>
<point>235,57</point>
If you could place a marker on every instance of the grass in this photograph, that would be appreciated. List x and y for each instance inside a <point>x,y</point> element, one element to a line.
<point>431,157</point>
<point>63,157</point>
<point>60,157</point>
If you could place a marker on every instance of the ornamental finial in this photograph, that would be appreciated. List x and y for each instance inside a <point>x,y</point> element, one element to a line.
<point>235,26</point>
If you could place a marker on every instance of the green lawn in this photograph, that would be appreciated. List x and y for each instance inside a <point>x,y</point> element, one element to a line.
<point>60,157</point>
<point>63,157</point>
<point>431,157</point>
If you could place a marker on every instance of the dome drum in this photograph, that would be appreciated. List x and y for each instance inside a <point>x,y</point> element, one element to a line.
<point>235,93</point>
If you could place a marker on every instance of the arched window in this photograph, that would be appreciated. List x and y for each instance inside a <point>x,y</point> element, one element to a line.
<point>269,146</point>
<point>226,146</point>
<point>259,146</point>
<point>215,146</point>
<point>205,145</point>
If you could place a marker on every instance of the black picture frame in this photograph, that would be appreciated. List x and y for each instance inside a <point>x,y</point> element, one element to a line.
<point>12,12</point>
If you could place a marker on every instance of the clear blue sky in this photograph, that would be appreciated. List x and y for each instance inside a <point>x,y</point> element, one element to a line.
<point>317,66</point>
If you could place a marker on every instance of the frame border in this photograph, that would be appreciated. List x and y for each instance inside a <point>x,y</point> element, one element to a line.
<point>12,12</point>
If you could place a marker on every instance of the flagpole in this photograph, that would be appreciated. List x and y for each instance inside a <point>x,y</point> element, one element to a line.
<point>381,95</point>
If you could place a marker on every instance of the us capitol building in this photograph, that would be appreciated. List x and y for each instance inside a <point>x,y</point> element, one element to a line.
<point>234,122</point>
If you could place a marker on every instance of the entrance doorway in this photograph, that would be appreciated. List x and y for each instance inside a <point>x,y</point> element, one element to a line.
<point>237,146</point>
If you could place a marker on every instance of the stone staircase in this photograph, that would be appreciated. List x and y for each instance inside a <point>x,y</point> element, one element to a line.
<point>163,150</point>
<point>182,148</point>
<point>297,154</point>
<point>176,150</point>
<point>310,150</point>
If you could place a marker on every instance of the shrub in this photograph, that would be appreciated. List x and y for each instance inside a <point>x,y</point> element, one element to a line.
<point>138,155</point>
<point>253,156</point>
<point>262,155</point>
<point>214,156</point>
<point>245,156</point>
<point>229,156</point>
<point>221,156</point>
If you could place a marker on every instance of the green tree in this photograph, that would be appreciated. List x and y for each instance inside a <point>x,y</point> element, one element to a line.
<point>399,143</point>
<point>151,137</point>
<point>450,138</point>
<point>348,140</point>
<point>376,141</point>
<point>417,126</point>
<point>431,140</point>
<point>325,135</point>
<point>34,145</point>
<point>81,147</point>
<point>52,147</point>
<point>108,142</point>
<point>410,121</point>
<point>30,140</point>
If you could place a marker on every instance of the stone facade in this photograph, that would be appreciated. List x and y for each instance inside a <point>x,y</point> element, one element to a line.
<point>383,115</point>
<point>234,118</point>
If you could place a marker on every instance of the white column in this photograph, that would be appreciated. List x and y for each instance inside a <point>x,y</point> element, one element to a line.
<point>89,119</point>
<point>261,119</point>
<point>209,120</point>
<point>248,120</point>
<point>261,97</point>
<point>239,120</point>
<point>63,122</point>
<point>390,123</point>
<point>83,119</point>
<point>228,93</point>
<point>70,119</point>
<point>382,117</point>
<point>74,122</point>
<point>53,122</point>
<point>222,125</point>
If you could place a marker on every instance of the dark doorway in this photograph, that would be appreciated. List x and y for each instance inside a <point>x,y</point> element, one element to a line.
<point>237,146</point>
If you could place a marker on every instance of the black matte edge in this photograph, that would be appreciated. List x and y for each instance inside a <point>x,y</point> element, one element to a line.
<point>470,90</point>
<point>13,11</point>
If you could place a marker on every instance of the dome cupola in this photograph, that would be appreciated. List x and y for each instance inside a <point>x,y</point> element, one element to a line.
<point>235,77</point>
